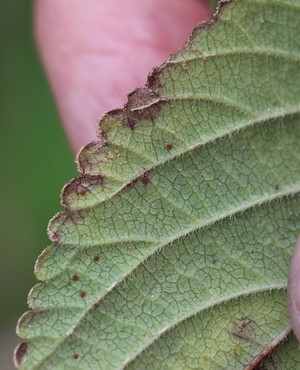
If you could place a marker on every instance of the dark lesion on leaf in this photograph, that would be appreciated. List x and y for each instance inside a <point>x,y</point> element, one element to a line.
<point>54,236</point>
<point>169,146</point>
<point>75,356</point>
<point>243,329</point>
<point>20,352</point>
<point>75,277</point>
<point>142,104</point>
<point>141,97</point>
<point>61,218</point>
<point>80,186</point>
<point>96,305</point>
<point>82,294</point>
<point>154,82</point>
<point>145,177</point>
<point>96,258</point>
<point>93,149</point>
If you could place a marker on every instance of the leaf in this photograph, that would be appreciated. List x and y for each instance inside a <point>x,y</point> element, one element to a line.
<point>172,252</point>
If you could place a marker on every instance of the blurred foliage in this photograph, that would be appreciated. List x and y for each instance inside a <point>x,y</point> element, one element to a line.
<point>35,158</point>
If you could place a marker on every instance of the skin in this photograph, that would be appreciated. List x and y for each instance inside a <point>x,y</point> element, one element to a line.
<point>94,52</point>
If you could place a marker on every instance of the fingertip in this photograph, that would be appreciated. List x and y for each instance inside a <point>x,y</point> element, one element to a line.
<point>294,290</point>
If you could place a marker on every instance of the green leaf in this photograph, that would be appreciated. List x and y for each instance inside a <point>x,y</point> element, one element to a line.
<point>173,249</point>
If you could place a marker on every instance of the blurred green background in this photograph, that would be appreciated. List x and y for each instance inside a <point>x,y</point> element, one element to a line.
<point>36,162</point>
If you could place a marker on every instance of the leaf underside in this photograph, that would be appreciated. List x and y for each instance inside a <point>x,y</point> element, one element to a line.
<point>173,249</point>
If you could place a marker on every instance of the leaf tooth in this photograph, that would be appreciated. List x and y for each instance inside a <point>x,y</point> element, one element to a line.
<point>142,104</point>
<point>89,155</point>
<point>49,266</point>
<point>68,219</point>
<point>81,191</point>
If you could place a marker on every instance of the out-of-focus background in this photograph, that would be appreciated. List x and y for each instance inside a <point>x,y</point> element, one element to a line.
<point>35,163</point>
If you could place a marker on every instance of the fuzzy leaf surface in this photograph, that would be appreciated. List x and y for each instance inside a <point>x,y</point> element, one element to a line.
<point>173,249</point>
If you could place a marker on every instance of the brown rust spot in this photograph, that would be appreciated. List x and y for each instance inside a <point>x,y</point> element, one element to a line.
<point>169,146</point>
<point>75,356</point>
<point>20,352</point>
<point>75,277</point>
<point>96,258</point>
<point>243,329</point>
<point>82,294</point>
<point>144,177</point>
<point>96,305</point>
